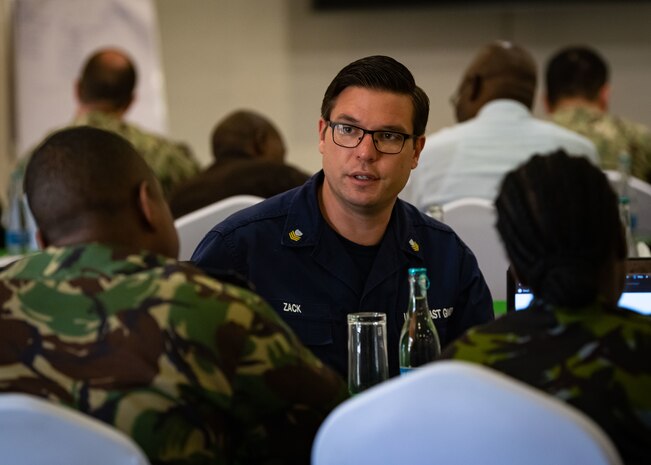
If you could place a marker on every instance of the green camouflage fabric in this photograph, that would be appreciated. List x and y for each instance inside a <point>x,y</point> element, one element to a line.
<point>611,135</point>
<point>194,370</point>
<point>172,163</point>
<point>594,358</point>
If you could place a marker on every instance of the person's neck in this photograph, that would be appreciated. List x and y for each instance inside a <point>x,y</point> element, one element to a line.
<point>87,108</point>
<point>574,102</point>
<point>127,238</point>
<point>363,227</point>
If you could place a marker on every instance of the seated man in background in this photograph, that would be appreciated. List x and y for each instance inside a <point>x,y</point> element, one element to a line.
<point>496,131</point>
<point>343,242</point>
<point>578,96</point>
<point>559,221</point>
<point>105,320</point>
<point>249,159</point>
<point>104,92</point>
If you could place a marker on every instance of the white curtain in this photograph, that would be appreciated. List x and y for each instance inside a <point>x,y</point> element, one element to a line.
<point>52,39</point>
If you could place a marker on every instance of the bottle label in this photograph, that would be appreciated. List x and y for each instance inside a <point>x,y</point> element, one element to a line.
<point>15,241</point>
<point>405,370</point>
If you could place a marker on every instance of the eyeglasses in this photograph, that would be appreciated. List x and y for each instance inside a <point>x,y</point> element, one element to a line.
<point>349,136</point>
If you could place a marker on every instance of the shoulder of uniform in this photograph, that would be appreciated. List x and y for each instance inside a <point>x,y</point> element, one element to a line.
<point>419,219</point>
<point>259,215</point>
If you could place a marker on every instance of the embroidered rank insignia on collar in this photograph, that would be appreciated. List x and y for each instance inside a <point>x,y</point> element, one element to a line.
<point>295,235</point>
<point>414,245</point>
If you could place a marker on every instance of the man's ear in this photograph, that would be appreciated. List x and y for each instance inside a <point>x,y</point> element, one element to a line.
<point>323,127</point>
<point>419,144</point>
<point>259,143</point>
<point>41,240</point>
<point>475,87</point>
<point>146,204</point>
<point>603,98</point>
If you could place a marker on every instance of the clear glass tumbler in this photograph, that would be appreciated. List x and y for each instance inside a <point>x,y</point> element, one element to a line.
<point>367,350</point>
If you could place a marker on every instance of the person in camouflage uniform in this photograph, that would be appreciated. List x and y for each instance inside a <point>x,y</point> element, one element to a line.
<point>578,96</point>
<point>105,92</point>
<point>558,218</point>
<point>195,370</point>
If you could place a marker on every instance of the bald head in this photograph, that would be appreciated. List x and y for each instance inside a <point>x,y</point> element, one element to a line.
<point>249,133</point>
<point>88,185</point>
<point>107,78</point>
<point>501,70</point>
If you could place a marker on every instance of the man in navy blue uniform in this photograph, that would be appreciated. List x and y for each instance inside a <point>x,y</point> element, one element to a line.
<point>342,242</point>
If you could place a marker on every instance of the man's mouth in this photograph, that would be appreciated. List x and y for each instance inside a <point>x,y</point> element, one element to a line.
<point>364,177</point>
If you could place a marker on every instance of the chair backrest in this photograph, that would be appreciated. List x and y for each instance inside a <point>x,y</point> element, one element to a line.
<point>457,413</point>
<point>35,431</point>
<point>473,219</point>
<point>640,197</point>
<point>194,226</point>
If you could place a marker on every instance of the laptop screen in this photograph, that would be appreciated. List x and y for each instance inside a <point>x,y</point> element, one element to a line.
<point>636,295</point>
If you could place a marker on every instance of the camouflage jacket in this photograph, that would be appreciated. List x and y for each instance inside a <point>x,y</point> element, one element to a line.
<point>611,135</point>
<point>596,359</point>
<point>194,370</point>
<point>172,163</point>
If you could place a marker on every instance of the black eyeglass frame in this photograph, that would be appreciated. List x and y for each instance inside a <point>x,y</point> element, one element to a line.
<point>406,136</point>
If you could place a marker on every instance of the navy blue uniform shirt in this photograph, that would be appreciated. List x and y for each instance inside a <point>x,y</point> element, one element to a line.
<point>298,264</point>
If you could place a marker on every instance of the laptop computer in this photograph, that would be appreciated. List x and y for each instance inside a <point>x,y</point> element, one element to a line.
<point>636,295</point>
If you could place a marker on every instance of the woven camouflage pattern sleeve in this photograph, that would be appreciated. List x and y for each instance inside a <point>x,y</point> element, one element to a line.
<point>194,370</point>
<point>172,162</point>
<point>611,135</point>
<point>597,361</point>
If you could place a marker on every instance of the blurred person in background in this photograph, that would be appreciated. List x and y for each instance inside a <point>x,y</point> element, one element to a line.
<point>496,131</point>
<point>578,98</point>
<point>249,155</point>
<point>104,93</point>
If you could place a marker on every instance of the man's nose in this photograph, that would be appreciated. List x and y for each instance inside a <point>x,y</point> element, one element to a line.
<point>366,149</point>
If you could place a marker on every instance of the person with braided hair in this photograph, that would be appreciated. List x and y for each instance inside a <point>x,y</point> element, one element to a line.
<point>558,219</point>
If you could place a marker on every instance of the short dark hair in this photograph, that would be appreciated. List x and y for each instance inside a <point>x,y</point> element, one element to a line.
<point>575,72</point>
<point>379,72</point>
<point>105,79</point>
<point>559,221</point>
<point>79,173</point>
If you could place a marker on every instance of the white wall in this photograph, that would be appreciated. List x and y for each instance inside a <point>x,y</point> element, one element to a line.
<point>6,149</point>
<point>278,56</point>
<point>51,41</point>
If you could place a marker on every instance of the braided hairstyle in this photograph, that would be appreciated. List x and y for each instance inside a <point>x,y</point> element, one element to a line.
<point>559,221</point>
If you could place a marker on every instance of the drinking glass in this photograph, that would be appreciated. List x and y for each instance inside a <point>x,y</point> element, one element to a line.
<point>367,350</point>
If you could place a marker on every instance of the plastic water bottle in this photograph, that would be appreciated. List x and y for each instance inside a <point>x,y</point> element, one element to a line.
<point>419,340</point>
<point>16,236</point>
<point>435,211</point>
<point>30,226</point>
<point>626,214</point>
<point>20,227</point>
